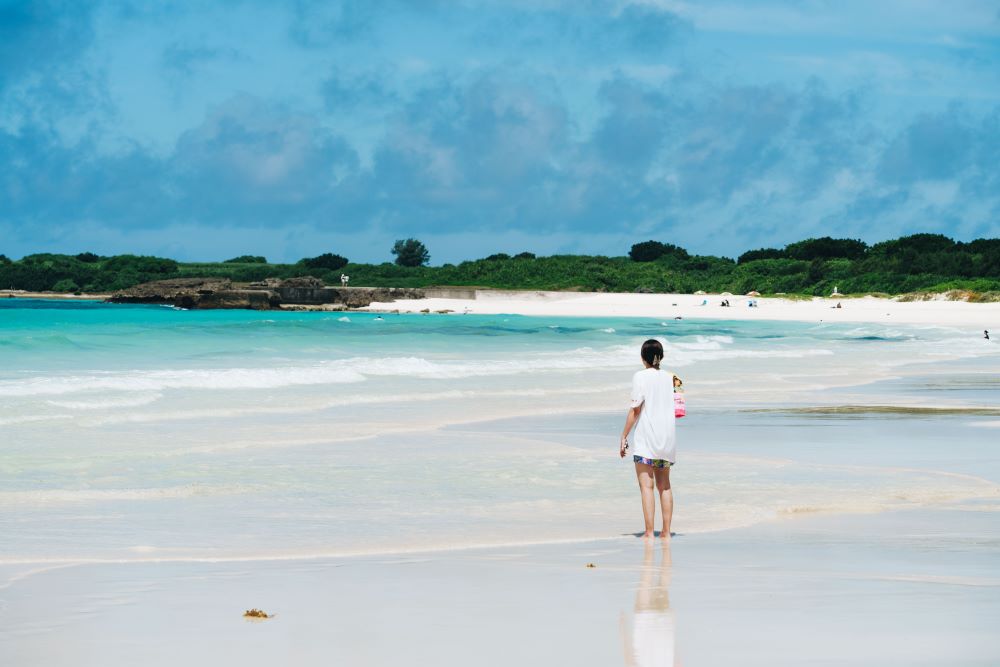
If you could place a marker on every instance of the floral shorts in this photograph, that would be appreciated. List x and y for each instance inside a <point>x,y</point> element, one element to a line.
<point>656,463</point>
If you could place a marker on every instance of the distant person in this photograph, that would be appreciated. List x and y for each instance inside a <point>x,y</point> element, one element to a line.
<point>344,279</point>
<point>652,417</point>
<point>704,302</point>
<point>838,305</point>
<point>986,334</point>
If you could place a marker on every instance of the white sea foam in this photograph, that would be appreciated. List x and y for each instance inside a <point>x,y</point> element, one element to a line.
<point>39,497</point>
<point>680,352</point>
<point>355,399</point>
<point>357,369</point>
<point>127,401</point>
<point>27,419</point>
<point>155,381</point>
<point>703,343</point>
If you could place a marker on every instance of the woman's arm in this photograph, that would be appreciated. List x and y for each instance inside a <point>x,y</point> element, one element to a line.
<point>630,419</point>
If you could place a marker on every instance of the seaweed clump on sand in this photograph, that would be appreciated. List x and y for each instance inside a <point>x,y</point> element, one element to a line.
<point>256,613</point>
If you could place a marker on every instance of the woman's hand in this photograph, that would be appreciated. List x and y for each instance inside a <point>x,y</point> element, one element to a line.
<point>630,419</point>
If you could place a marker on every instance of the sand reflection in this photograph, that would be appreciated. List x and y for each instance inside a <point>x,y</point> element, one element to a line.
<point>650,640</point>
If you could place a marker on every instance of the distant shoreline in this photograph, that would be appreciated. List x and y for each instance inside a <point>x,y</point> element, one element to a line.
<point>539,303</point>
<point>18,294</point>
<point>669,307</point>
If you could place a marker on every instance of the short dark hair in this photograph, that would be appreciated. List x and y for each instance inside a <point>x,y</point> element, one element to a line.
<point>652,353</point>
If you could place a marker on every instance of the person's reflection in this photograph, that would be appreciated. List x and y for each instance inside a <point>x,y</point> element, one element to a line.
<point>651,642</point>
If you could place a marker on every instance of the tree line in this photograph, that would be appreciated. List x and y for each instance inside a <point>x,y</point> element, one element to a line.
<point>919,262</point>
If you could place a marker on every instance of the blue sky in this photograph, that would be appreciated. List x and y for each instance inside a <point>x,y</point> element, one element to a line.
<point>203,130</point>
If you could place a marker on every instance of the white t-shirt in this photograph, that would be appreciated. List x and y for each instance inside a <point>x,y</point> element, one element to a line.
<point>655,432</point>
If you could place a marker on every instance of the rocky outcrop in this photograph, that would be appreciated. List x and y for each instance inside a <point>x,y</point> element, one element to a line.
<point>306,282</point>
<point>245,299</point>
<point>165,291</point>
<point>207,293</point>
<point>201,293</point>
<point>360,297</point>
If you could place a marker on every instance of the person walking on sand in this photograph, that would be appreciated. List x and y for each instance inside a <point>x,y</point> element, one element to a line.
<point>652,417</point>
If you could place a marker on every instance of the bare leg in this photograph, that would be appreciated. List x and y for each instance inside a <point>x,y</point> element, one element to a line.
<point>666,499</point>
<point>644,473</point>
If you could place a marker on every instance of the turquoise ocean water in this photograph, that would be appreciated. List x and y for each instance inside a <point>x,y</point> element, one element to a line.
<point>148,433</point>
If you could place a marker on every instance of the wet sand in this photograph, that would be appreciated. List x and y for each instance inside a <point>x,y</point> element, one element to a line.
<point>911,587</point>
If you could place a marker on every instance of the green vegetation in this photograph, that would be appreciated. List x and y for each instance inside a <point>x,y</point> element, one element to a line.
<point>242,259</point>
<point>918,263</point>
<point>410,252</point>
<point>650,251</point>
<point>327,261</point>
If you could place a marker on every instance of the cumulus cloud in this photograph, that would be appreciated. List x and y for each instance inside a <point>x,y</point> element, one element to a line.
<point>933,147</point>
<point>320,24</point>
<point>256,163</point>
<point>525,120</point>
<point>185,59</point>
<point>481,153</point>
<point>346,92</point>
<point>35,36</point>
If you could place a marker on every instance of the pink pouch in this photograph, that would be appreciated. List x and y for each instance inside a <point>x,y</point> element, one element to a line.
<point>680,409</point>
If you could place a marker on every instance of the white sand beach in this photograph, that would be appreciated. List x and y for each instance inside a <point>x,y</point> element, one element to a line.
<point>603,304</point>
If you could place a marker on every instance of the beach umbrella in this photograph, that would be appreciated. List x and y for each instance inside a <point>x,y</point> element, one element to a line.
<point>726,294</point>
<point>700,292</point>
<point>753,293</point>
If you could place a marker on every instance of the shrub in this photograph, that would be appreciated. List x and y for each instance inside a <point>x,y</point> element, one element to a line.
<point>826,248</point>
<point>649,251</point>
<point>327,261</point>
<point>66,285</point>
<point>761,253</point>
<point>140,264</point>
<point>247,259</point>
<point>88,257</point>
<point>918,243</point>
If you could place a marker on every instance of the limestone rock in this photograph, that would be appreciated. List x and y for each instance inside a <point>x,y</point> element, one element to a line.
<point>206,293</point>
<point>197,293</point>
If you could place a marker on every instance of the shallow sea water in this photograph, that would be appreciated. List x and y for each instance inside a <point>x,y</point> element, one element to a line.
<point>134,433</point>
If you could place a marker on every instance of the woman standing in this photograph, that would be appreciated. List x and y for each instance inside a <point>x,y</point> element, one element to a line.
<point>652,416</point>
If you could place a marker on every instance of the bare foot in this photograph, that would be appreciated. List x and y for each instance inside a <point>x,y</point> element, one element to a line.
<point>648,534</point>
<point>665,534</point>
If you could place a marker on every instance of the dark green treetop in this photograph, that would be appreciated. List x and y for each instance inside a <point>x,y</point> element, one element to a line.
<point>410,252</point>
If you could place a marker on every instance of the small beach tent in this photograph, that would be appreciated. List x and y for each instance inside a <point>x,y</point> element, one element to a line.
<point>726,294</point>
<point>753,293</point>
<point>700,292</point>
